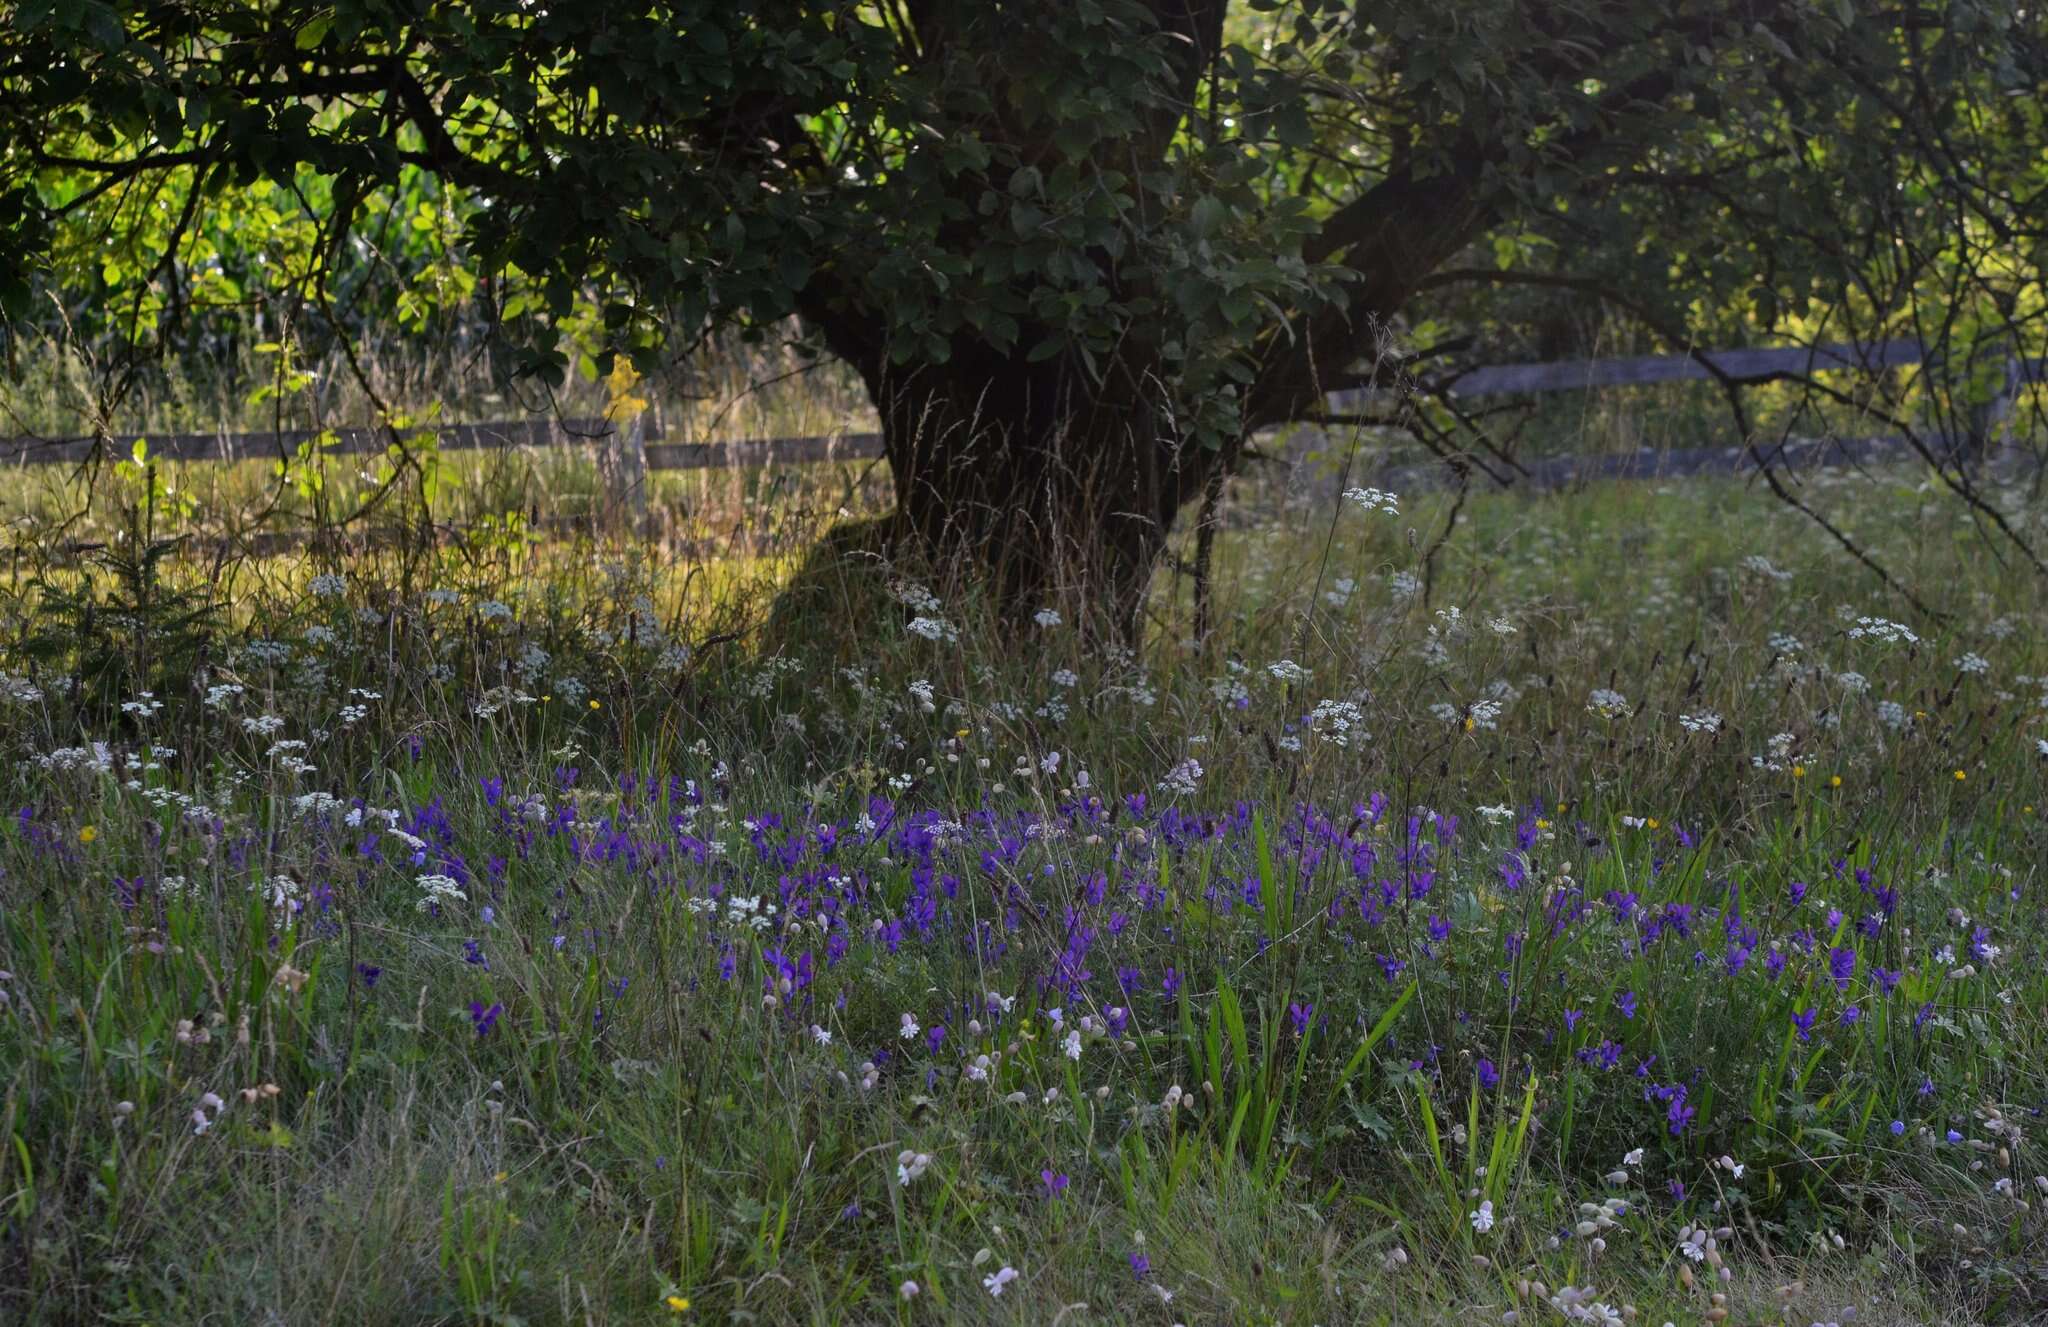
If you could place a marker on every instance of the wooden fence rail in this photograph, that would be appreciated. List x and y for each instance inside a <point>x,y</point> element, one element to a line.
<point>1749,366</point>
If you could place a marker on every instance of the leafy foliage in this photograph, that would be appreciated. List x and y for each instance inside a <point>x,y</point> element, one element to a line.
<point>1150,224</point>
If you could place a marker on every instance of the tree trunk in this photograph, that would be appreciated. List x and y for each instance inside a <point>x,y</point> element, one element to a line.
<point>1036,485</point>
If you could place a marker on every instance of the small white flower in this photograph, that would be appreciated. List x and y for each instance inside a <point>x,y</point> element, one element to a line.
<point>1634,1158</point>
<point>995,1281</point>
<point>910,1165</point>
<point>1482,1217</point>
<point>1046,617</point>
<point>823,1036</point>
<point>1071,1044</point>
<point>908,1028</point>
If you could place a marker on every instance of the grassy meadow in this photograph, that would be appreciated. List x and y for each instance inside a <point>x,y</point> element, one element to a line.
<point>1625,909</point>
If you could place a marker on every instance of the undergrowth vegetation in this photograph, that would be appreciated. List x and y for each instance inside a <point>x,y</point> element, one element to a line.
<point>1621,910</point>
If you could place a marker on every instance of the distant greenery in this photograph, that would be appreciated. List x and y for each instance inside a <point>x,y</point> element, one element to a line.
<point>503,935</point>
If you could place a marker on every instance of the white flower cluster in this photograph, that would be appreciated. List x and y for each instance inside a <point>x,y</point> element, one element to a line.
<point>1761,565</point>
<point>740,910</point>
<point>438,889</point>
<point>267,652</point>
<point>1374,499</point>
<point>532,662</point>
<point>315,804</point>
<point>1230,690</point>
<point>1608,704</point>
<point>1182,778</point>
<point>1882,629</point>
<point>1706,721</point>
<point>1338,722</point>
<point>499,699</point>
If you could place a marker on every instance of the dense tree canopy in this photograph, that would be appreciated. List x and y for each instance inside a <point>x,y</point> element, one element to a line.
<point>1077,252</point>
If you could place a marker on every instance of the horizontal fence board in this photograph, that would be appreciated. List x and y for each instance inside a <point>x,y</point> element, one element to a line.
<point>1645,370</point>
<point>538,432</point>
<point>765,451</point>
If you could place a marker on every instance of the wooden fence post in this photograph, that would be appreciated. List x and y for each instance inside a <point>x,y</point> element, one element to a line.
<point>623,462</point>
<point>632,471</point>
<point>2000,448</point>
